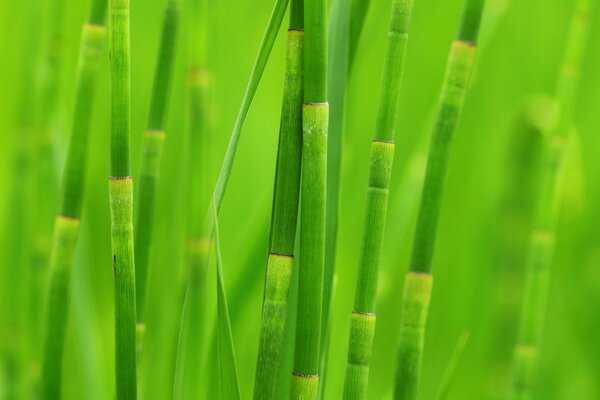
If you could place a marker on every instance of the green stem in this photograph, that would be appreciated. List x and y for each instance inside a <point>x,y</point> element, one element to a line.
<point>121,201</point>
<point>362,327</point>
<point>67,223</point>
<point>315,124</point>
<point>542,241</point>
<point>152,149</point>
<point>418,283</point>
<point>284,216</point>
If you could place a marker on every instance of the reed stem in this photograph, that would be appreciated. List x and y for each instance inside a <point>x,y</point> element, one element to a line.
<point>66,228</point>
<point>284,215</point>
<point>417,287</point>
<point>121,201</point>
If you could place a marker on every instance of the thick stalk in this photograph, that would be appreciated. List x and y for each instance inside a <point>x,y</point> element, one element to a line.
<point>541,245</point>
<point>280,261</point>
<point>152,148</point>
<point>66,227</point>
<point>362,325</point>
<point>315,123</point>
<point>418,282</point>
<point>121,201</point>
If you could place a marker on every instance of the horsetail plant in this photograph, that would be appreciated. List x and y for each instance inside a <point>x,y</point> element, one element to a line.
<point>121,201</point>
<point>152,148</point>
<point>542,240</point>
<point>362,325</point>
<point>284,214</point>
<point>189,359</point>
<point>417,287</point>
<point>197,273</point>
<point>315,121</point>
<point>66,227</point>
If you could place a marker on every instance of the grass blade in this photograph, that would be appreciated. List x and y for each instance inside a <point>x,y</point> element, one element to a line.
<point>442,391</point>
<point>228,376</point>
<point>417,287</point>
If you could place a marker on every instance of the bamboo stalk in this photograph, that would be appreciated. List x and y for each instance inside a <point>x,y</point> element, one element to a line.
<point>362,327</point>
<point>284,215</point>
<point>66,227</point>
<point>417,287</point>
<point>543,235</point>
<point>152,149</point>
<point>121,201</point>
<point>315,121</point>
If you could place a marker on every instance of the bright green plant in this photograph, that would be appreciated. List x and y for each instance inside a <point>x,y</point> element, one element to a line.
<point>417,286</point>
<point>543,236</point>
<point>315,121</point>
<point>284,214</point>
<point>197,273</point>
<point>152,145</point>
<point>121,201</point>
<point>362,327</point>
<point>66,227</point>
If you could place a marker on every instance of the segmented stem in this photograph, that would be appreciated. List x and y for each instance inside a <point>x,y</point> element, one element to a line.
<point>418,283</point>
<point>284,216</point>
<point>543,237</point>
<point>66,227</point>
<point>362,327</point>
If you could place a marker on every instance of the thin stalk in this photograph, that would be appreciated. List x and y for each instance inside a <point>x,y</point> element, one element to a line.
<point>338,66</point>
<point>121,201</point>
<point>152,149</point>
<point>362,325</point>
<point>280,261</point>
<point>543,236</point>
<point>66,228</point>
<point>358,14</point>
<point>417,286</point>
<point>228,375</point>
<point>197,273</point>
<point>17,223</point>
<point>189,359</point>
<point>315,122</point>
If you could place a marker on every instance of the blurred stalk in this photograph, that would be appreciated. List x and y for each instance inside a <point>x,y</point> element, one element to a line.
<point>188,368</point>
<point>121,201</point>
<point>17,228</point>
<point>66,229</point>
<point>417,287</point>
<point>362,325</point>
<point>543,236</point>
<point>315,122</point>
<point>152,149</point>
<point>197,274</point>
<point>286,193</point>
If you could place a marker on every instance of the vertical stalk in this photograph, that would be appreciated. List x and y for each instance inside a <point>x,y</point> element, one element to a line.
<point>121,201</point>
<point>280,261</point>
<point>543,236</point>
<point>417,287</point>
<point>362,325</point>
<point>315,122</point>
<point>66,228</point>
<point>197,275</point>
<point>152,148</point>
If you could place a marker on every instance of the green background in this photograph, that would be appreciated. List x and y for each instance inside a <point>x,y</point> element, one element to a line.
<point>521,50</point>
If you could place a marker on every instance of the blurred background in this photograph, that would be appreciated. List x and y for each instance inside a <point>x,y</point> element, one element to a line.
<point>485,219</point>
